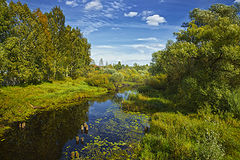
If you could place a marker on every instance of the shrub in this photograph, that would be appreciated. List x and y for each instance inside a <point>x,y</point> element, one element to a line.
<point>100,80</point>
<point>157,82</point>
<point>209,148</point>
<point>109,70</point>
<point>234,103</point>
<point>116,78</point>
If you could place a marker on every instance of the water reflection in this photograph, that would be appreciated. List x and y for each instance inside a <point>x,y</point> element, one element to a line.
<point>93,126</point>
<point>44,134</point>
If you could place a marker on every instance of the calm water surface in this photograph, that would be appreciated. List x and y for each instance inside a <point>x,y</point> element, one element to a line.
<point>52,134</point>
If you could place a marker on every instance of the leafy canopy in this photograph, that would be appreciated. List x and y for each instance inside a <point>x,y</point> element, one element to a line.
<point>203,65</point>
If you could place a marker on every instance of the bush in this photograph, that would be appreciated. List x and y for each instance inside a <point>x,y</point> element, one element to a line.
<point>157,82</point>
<point>100,80</point>
<point>116,78</point>
<point>209,148</point>
<point>109,70</point>
<point>234,103</point>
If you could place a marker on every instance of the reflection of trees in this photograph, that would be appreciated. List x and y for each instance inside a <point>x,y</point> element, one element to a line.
<point>116,98</point>
<point>111,96</point>
<point>44,135</point>
<point>101,99</point>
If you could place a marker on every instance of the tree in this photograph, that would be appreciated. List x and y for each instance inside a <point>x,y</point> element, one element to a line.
<point>36,47</point>
<point>101,62</point>
<point>5,20</point>
<point>117,78</point>
<point>118,66</point>
<point>203,65</point>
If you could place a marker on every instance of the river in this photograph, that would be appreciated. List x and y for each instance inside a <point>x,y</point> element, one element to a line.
<point>55,134</point>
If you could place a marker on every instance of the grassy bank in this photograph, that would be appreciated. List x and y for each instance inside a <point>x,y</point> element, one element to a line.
<point>18,103</point>
<point>194,136</point>
<point>178,133</point>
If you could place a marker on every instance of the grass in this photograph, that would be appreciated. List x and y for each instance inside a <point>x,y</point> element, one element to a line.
<point>16,103</point>
<point>176,133</point>
<point>194,136</point>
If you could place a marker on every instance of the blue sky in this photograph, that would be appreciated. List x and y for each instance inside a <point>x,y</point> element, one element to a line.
<point>125,30</point>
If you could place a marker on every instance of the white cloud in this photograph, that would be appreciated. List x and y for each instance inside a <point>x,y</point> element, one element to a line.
<point>84,1</point>
<point>237,1</point>
<point>109,15</point>
<point>104,47</point>
<point>148,39</point>
<point>142,48</point>
<point>94,5</point>
<point>145,14</point>
<point>116,5</point>
<point>72,3</point>
<point>113,56</point>
<point>131,14</point>
<point>115,28</point>
<point>127,54</point>
<point>155,20</point>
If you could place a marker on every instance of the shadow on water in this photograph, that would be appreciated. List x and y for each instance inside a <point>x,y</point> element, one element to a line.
<point>44,134</point>
<point>90,128</point>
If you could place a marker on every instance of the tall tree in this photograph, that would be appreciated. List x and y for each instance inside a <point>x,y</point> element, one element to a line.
<point>36,47</point>
<point>56,23</point>
<point>204,63</point>
<point>101,62</point>
<point>5,20</point>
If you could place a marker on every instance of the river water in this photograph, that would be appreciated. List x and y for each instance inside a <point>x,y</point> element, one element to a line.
<point>52,135</point>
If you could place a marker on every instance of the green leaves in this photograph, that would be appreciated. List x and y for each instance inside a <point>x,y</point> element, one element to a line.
<point>204,63</point>
<point>39,47</point>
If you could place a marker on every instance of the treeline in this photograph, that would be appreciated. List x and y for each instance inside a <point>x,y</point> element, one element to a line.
<point>116,76</point>
<point>202,67</point>
<point>36,46</point>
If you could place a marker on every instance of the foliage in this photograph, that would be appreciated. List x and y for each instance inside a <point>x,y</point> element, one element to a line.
<point>234,103</point>
<point>157,82</point>
<point>116,78</point>
<point>202,66</point>
<point>133,75</point>
<point>101,80</point>
<point>109,70</point>
<point>118,66</point>
<point>36,47</point>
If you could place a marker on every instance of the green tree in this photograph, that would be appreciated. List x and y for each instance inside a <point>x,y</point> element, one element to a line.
<point>203,64</point>
<point>5,20</point>
<point>56,24</point>
<point>38,47</point>
<point>101,62</point>
<point>118,66</point>
<point>117,78</point>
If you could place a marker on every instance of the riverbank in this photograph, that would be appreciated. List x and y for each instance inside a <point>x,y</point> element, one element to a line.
<point>18,103</point>
<point>55,134</point>
<point>178,133</point>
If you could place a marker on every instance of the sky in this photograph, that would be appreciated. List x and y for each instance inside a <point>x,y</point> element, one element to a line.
<point>125,30</point>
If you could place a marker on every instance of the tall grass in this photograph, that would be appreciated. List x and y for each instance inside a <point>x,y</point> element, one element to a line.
<point>195,136</point>
<point>178,133</point>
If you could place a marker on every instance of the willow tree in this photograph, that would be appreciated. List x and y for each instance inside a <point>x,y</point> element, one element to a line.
<point>203,64</point>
